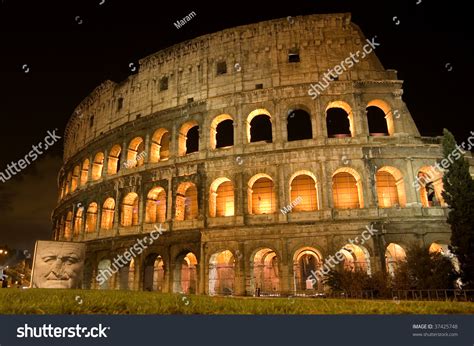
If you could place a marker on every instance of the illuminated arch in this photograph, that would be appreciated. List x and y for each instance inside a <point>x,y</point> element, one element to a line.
<point>130,210</point>
<point>114,160</point>
<point>221,273</point>
<point>160,145</point>
<point>388,116</point>
<point>394,256</point>
<point>156,205</point>
<point>78,220</point>
<point>350,118</point>
<point>108,212</point>
<point>216,141</point>
<point>304,188</point>
<point>104,270</point>
<point>91,217</point>
<point>356,257</point>
<point>430,183</point>
<point>97,166</point>
<point>68,183</point>
<point>75,178</point>
<point>154,273</point>
<point>68,226</point>
<point>265,271</point>
<point>136,153</point>
<point>186,202</point>
<point>84,172</point>
<point>221,198</point>
<point>266,125</point>
<point>305,261</point>
<point>185,274</point>
<point>390,187</point>
<point>188,145</point>
<point>261,194</point>
<point>347,189</point>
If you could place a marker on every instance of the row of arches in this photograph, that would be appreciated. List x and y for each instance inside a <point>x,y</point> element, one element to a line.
<point>266,270</point>
<point>339,123</point>
<point>304,193</point>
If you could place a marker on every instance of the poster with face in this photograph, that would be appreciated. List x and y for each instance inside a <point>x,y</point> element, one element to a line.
<point>58,264</point>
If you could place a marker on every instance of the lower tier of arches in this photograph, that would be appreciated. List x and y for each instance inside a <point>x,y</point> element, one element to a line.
<point>268,263</point>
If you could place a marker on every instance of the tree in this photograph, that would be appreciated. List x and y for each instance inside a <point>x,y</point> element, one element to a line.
<point>459,195</point>
<point>422,270</point>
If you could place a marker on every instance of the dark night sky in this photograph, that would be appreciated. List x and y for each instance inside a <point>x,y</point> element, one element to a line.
<point>67,60</point>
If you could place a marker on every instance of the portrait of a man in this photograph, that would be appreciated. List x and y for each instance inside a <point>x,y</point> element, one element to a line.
<point>58,264</point>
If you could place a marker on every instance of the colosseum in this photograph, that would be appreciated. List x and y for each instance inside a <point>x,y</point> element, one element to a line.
<point>254,181</point>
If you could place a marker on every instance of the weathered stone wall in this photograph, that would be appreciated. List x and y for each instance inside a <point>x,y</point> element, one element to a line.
<point>261,52</point>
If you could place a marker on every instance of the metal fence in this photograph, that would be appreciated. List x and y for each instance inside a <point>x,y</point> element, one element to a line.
<point>428,295</point>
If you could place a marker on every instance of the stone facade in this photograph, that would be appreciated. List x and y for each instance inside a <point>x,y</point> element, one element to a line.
<point>234,75</point>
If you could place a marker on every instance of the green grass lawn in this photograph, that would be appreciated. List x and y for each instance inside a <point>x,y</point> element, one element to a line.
<point>50,301</point>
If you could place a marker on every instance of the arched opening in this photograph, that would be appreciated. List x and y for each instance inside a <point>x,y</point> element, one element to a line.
<point>339,120</point>
<point>154,273</point>
<point>444,250</point>
<point>303,192</point>
<point>188,138</point>
<point>259,126</point>
<point>84,172</point>
<point>108,211</point>
<point>186,202</point>
<point>347,189</point>
<point>68,182</point>
<point>91,217</point>
<point>356,258</point>
<point>130,210</point>
<point>377,122</point>
<point>88,275</point>
<point>185,274</point>
<point>97,166</point>
<point>160,145</point>
<point>62,228</point>
<point>136,153</point>
<point>114,160</point>
<point>104,271</point>
<point>68,226</point>
<point>305,261</point>
<point>221,198</point>
<point>299,125</point>
<point>394,256</point>
<point>390,188</point>
<point>156,205</point>
<point>78,219</point>
<point>221,273</point>
<point>75,178</point>
<point>63,188</point>
<point>261,195</point>
<point>127,276</point>
<point>222,132</point>
<point>430,185</point>
<point>266,276</point>
<point>380,118</point>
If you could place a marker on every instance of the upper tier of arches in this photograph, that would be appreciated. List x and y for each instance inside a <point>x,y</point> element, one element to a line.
<point>162,143</point>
